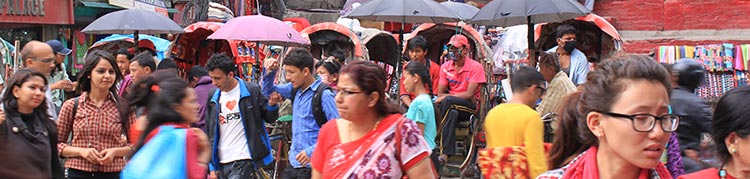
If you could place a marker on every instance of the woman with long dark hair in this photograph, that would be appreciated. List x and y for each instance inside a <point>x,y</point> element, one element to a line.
<point>96,121</point>
<point>175,106</point>
<point>625,119</point>
<point>27,137</point>
<point>372,139</point>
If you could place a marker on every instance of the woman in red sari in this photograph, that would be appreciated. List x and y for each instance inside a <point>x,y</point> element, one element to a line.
<point>731,132</point>
<point>372,139</point>
<point>626,121</point>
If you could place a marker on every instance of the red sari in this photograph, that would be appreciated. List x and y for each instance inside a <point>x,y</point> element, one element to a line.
<point>388,151</point>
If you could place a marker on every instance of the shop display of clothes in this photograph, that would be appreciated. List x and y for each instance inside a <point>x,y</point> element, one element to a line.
<point>726,65</point>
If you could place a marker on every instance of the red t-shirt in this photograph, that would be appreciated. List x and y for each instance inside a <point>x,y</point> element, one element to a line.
<point>434,76</point>
<point>458,81</point>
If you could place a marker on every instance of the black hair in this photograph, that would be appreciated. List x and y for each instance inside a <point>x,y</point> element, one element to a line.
<point>300,58</point>
<point>222,62</point>
<point>167,63</point>
<point>339,55</point>
<point>332,67</point>
<point>145,60</point>
<point>565,29</point>
<point>524,77</point>
<point>419,69</point>
<point>370,77</point>
<point>731,116</point>
<point>19,77</point>
<point>417,42</point>
<point>549,59</point>
<point>196,72</point>
<point>93,58</point>
<point>124,51</point>
<point>159,91</point>
<point>145,50</point>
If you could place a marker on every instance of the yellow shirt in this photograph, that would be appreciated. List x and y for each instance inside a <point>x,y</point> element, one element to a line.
<point>509,125</point>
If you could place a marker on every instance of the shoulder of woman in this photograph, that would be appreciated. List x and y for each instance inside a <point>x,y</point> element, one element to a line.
<point>706,173</point>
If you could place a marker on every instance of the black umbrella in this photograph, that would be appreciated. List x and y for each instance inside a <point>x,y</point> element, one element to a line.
<point>404,11</point>
<point>133,21</point>
<point>506,13</point>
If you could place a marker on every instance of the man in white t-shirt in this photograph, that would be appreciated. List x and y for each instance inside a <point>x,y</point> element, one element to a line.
<point>235,125</point>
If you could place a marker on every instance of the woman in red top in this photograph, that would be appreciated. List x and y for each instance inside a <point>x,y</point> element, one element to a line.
<point>177,106</point>
<point>372,139</point>
<point>731,132</point>
<point>96,122</point>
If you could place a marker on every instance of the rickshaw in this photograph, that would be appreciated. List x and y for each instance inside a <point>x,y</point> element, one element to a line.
<point>328,36</point>
<point>596,37</point>
<point>382,48</point>
<point>469,135</point>
<point>193,48</point>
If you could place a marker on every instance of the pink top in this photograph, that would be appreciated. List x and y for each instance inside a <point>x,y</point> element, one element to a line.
<point>458,81</point>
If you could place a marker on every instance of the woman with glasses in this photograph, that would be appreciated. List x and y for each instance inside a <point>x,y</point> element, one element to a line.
<point>27,137</point>
<point>372,139</point>
<point>731,133</point>
<point>624,106</point>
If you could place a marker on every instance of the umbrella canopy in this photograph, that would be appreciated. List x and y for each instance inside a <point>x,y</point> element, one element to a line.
<point>404,11</point>
<point>506,13</point>
<point>133,21</point>
<point>463,10</point>
<point>117,41</point>
<point>258,28</point>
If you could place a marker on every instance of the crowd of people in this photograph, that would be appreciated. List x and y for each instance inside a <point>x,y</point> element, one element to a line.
<point>625,117</point>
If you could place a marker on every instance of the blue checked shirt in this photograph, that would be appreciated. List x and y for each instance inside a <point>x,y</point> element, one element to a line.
<point>304,127</point>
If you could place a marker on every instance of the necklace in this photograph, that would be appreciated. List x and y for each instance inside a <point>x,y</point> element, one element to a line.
<point>722,172</point>
<point>351,138</point>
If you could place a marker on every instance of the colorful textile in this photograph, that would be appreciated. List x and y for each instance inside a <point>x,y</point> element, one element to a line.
<point>393,147</point>
<point>518,125</point>
<point>505,162</point>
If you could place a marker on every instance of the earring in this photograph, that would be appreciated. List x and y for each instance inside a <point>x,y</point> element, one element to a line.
<point>733,150</point>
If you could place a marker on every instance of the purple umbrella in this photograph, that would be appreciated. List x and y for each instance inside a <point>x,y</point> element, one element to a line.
<point>262,29</point>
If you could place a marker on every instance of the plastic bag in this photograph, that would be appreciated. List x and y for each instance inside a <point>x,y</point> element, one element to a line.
<point>164,156</point>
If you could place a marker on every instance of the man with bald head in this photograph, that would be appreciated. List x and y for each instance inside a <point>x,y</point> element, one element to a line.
<point>39,56</point>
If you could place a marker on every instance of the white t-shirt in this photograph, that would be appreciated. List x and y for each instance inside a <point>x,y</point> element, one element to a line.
<point>232,142</point>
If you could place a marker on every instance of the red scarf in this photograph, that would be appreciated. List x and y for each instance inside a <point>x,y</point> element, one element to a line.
<point>585,168</point>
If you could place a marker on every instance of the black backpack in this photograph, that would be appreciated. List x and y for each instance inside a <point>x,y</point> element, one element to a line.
<point>317,103</point>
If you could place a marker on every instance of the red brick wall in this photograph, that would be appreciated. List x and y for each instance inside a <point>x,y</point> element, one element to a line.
<point>676,14</point>
<point>660,15</point>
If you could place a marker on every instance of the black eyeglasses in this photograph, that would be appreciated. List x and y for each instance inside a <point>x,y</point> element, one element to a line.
<point>348,93</point>
<point>646,122</point>
<point>49,60</point>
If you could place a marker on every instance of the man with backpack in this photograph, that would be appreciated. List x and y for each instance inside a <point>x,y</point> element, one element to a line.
<point>312,105</point>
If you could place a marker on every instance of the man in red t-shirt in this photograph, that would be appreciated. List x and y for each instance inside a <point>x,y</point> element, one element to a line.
<point>417,48</point>
<point>459,81</point>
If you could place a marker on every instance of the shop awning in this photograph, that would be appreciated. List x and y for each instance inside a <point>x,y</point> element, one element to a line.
<point>109,6</point>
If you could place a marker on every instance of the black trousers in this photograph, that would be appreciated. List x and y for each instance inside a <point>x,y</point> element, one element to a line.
<point>239,169</point>
<point>296,173</point>
<point>449,117</point>
<point>80,174</point>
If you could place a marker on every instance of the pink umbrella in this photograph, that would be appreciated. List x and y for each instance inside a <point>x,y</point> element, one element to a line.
<point>262,29</point>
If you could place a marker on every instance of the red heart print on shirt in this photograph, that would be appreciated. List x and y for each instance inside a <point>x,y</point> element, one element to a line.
<point>231,104</point>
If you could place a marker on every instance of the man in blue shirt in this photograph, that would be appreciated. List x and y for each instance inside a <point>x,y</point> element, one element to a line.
<point>300,73</point>
<point>572,61</point>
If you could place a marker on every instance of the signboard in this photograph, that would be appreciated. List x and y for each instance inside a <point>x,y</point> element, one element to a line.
<point>157,6</point>
<point>36,11</point>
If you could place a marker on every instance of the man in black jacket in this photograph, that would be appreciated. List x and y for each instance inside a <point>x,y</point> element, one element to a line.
<point>235,123</point>
<point>695,113</point>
